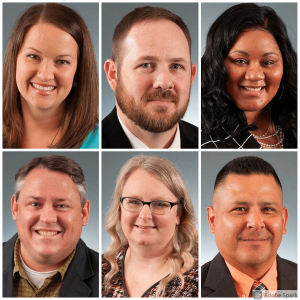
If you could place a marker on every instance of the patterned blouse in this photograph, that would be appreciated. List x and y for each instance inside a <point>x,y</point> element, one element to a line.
<point>117,287</point>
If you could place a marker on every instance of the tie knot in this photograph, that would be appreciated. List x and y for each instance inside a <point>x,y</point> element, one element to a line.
<point>257,289</point>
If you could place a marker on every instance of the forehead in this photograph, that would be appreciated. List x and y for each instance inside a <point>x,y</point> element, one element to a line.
<point>45,35</point>
<point>255,40</point>
<point>143,184</point>
<point>153,37</point>
<point>45,183</point>
<point>248,188</point>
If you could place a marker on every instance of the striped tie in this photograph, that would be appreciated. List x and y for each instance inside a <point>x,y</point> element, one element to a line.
<point>257,289</point>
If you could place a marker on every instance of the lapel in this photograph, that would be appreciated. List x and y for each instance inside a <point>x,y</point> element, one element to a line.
<point>287,274</point>
<point>219,279</point>
<point>79,270</point>
<point>113,135</point>
<point>188,135</point>
<point>8,266</point>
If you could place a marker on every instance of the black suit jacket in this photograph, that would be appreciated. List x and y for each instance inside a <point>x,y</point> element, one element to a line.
<point>81,278</point>
<point>216,280</point>
<point>114,137</point>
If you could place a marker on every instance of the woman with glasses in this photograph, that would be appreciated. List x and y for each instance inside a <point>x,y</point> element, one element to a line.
<point>151,221</point>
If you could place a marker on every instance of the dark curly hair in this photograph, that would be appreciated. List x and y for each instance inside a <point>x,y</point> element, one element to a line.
<point>218,108</point>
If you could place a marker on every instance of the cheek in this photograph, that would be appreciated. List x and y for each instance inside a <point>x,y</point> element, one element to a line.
<point>226,227</point>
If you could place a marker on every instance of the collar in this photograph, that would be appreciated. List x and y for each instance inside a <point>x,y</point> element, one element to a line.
<point>243,282</point>
<point>18,264</point>
<point>136,143</point>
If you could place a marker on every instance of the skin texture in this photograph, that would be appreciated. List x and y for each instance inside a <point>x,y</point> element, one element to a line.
<point>147,187</point>
<point>48,57</point>
<point>154,80</point>
<point>253,61</point>
<point>248,220</point>
<point>48,202</point>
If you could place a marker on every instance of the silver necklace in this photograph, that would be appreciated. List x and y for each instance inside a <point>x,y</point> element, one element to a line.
<point>280,137</point>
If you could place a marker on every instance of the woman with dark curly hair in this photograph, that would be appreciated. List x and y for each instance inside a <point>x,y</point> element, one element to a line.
<point>50,81</point>
<point>249,81</point>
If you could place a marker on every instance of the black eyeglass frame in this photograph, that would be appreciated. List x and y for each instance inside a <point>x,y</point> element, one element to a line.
<point>148,203</point>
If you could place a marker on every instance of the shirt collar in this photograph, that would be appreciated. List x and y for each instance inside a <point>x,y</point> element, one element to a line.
<point>18,265</point>
<point>138,144</point>
<point>243,282</point>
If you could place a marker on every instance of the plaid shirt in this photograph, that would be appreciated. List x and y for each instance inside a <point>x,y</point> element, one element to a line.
<point>244,141</point>
<point>23,287</point>
<point>117,287</point>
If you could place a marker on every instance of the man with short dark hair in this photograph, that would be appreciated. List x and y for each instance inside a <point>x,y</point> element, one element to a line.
<point>47,258</point>
<point>248,219</point>
<point>151,74</point>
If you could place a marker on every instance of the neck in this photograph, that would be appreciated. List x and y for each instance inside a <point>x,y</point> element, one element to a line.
<point>256,272</point>
<point>152,140</point>
<point>41,128</point>
<point>260,118</point>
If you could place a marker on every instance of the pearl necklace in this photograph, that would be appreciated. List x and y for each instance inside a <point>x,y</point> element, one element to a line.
<point>280,137</point>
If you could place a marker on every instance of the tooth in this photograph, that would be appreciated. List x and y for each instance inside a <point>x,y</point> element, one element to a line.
<point>43,88</point>
<point>47,233</point>
<point>253,89</point>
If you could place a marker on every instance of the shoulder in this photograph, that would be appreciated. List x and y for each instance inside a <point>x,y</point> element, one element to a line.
<point>92,140</point>
<point>204,271</point>
<point>287,267</point>
<point>189,134</point>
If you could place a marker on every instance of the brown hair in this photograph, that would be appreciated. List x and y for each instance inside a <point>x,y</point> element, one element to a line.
<point>82,103</point>
<point>138,15</point>
<point>55,163</point>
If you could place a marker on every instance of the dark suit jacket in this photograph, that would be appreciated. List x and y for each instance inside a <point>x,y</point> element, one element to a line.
<point>216,280</point>
<point>81,279</point>
<point>114,137</point>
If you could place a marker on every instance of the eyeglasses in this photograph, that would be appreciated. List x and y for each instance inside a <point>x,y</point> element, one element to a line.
<point>156,207</point>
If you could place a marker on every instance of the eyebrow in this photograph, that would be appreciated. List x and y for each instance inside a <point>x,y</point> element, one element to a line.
<point>155,58</point>
<point>247,54</point>
<point>247,203</point>
<point>61,55</point>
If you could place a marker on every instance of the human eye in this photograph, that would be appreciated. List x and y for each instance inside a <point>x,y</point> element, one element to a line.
<point>34,204</point>
<point>268,63</point>
<point>133,201</point>
<point>33,56</point>
<point>62,62</point>
<point>240,209</point>
<point>61,206</point>
<point>146,65</point>
<point>160,204</point>
<point>176,67</point>
<point>240,61</point>
<point>268,209</point>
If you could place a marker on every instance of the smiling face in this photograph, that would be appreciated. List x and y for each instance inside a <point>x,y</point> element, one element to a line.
<point>49,218</point>
<point>248,220</point>
<point>46,66</point>
<point>155,77</point>
<point>145,228</point>
<point>255,68</point>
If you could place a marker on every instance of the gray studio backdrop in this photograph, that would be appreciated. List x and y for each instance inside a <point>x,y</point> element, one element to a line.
<point>89,163</point>
<point>88,11</point>
<point>286,11</point>
<point>285,165</point>
<point>112,13</point>
<point>112,162</point>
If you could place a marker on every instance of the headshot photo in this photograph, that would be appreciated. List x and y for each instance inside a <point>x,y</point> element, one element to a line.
<point>149,221</point>
<point>249,75</point>
<point>51,221</point>
<point>149,83</point>
<point>50,75</point>
<point>248,224</point>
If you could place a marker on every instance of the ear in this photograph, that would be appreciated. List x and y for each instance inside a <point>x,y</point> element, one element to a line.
<point>285,216</point>
<point>14,207</point>
<point>211,217</point>
<point>85,213</point>
<point>194,72</point>
<point>110,68</point>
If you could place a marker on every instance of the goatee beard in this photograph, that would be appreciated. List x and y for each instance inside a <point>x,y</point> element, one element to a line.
<point>158,120</point>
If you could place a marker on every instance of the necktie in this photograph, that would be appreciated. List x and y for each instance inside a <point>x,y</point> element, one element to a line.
<point>257,289</point>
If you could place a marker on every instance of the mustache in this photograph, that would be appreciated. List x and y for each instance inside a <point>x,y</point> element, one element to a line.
<point>160,94</point>
<point>256,237</point>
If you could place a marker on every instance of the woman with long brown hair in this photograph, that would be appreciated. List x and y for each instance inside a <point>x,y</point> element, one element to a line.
<point>50,81</point>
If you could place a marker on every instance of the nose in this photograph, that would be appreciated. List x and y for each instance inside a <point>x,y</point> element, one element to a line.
<point>255,72</point>
<point>45,71</point>
<point>163,79</point>
<point>48,214</point>
<point>145,213</point>
<point>255,220</point>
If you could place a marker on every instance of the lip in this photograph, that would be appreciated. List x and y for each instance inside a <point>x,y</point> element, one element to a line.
<point>47,233</point>
<point>252,91</point>
<point>144,227</point>
<point>43,89</point>
<point>255,242</point>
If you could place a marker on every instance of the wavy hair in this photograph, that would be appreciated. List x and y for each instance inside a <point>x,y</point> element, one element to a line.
<point>81,115</point>
<point>185,240</point>
<point>218,108</point>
